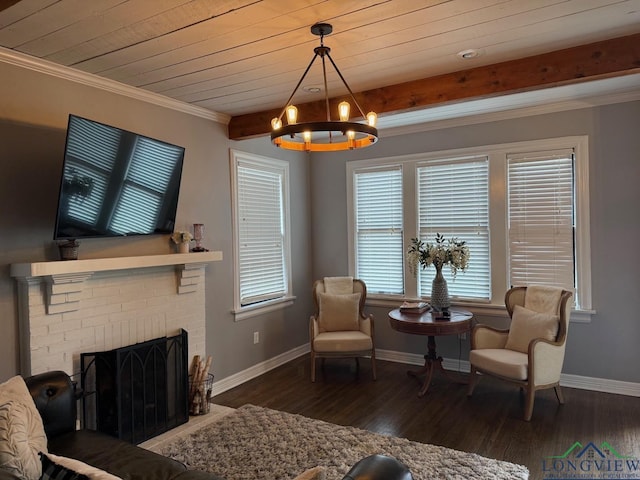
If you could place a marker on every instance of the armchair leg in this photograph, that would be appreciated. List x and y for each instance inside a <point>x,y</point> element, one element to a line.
<point>473,381</point>
<point>313,366</point>
<point>528,405</point>
<point>373,366</point>
<point>559,394</point>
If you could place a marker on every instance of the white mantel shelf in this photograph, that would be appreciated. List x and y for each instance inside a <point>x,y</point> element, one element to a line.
<point>65,279</point>
<point>43,269</point>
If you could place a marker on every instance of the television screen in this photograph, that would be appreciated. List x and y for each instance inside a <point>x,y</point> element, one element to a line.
<point>116,183</point>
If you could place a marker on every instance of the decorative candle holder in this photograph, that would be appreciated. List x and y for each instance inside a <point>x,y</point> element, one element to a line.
<point>198,233</point>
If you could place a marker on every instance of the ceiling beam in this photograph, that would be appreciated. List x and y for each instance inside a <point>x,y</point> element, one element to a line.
<point>4,4</point>
<point>605,59</point>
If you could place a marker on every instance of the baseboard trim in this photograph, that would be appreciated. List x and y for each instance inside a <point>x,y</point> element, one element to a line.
<point>566,380</point>
<point>250,373</point>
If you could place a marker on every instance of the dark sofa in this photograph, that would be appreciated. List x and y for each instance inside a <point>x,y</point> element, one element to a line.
<point>55,398</point>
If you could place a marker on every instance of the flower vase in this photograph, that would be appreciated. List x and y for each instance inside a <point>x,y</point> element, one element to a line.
<point>440,300</point>
<point>183,247</point>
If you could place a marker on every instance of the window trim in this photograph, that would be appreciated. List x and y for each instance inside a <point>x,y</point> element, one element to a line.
<point>497,155</point>
<point>282,167</point>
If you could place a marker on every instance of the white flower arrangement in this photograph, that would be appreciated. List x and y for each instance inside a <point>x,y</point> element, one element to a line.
<point>454,253</point>
<point>181,237</point>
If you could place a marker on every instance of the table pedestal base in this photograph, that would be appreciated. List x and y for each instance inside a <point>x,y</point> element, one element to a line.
<point>431,362</point>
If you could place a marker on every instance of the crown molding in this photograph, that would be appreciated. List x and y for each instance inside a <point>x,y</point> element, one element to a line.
<point>66,73</point>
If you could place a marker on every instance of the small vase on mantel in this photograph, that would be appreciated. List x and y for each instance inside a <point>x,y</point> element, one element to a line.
<point>440,299</point>
<point>183,247</point>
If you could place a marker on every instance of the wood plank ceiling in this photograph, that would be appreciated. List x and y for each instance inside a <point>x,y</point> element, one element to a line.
<point>243,57</point>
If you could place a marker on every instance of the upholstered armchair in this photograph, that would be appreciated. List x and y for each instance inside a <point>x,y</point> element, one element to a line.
<point>339,326</point>
<point>531,352</point>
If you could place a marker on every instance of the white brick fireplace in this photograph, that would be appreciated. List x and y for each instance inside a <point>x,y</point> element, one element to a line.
<point>71,307</point>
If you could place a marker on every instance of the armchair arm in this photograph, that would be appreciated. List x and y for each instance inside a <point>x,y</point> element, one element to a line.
<point>484,336</point>
<point>366,325</point>
<point>314,328</point>
<point>545,361</point>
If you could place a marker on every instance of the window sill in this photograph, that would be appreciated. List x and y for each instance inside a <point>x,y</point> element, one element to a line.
<point>261,308</point>
<point>478,309</point>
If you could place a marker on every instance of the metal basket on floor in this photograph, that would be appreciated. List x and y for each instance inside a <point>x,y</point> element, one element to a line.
<point>200,395</point>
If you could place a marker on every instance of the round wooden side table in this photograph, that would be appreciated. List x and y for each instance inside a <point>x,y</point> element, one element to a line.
<point>427,324</point>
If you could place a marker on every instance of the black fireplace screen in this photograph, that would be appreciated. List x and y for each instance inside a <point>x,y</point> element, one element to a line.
<point>137,392</point>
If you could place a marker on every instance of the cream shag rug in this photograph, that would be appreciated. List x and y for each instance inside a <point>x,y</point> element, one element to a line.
<point>253,443</point>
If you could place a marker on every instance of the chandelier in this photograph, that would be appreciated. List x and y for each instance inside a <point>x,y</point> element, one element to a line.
<point>329,135</point>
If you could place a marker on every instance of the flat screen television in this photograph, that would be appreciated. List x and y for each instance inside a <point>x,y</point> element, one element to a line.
<point>116,183</point>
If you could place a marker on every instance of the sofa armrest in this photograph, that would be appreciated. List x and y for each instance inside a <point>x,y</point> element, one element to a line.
<point>55,398</point>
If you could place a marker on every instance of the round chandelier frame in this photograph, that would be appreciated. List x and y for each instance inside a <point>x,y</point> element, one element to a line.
<point>329,135</point>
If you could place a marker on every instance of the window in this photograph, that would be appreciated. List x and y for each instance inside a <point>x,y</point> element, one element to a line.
<point>453,200</point>
<point>379,229</point>
<point>522,208</point>
<point>261,232</point>
<point>541,219</point>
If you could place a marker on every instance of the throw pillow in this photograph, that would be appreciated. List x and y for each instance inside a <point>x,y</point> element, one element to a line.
<point>70,466</point>
<point>53,471</point>
<point>527,325</point>
<point>21,430</point>
<point>315,473</point>
<point>338,312</point>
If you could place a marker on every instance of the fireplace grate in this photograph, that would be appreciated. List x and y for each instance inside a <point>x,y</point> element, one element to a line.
<point>136,392</point>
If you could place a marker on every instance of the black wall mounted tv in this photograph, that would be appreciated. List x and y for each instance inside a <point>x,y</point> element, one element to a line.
<point>116,183</point>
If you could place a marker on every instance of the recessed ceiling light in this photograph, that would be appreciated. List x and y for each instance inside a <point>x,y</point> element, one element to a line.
<point>312,89</point>
<point>468,54</point>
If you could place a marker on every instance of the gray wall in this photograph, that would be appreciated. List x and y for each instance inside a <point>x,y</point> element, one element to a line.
<point>605,348</point>
<point>33,117</point>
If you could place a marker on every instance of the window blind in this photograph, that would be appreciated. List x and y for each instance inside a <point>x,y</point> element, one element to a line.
<point>262,268</point>
<point>453,199</point>
<point>379,231</point>
<point>541,218</point>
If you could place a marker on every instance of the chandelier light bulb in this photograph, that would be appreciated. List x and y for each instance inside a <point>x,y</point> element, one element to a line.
<point>276,123</point>
<point>306,135</point>
<point>292,115</point>
<point>351,136</point>
<point>343,111</point>
<point>372,119</point>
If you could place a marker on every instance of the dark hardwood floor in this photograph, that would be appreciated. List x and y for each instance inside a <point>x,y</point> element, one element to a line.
<point>489,423</point>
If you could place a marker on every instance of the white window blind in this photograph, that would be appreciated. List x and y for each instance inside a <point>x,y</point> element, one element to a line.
<point>541,218</point>
<point>453,200</point>
<point>261,233</point>
<point>379,232</point>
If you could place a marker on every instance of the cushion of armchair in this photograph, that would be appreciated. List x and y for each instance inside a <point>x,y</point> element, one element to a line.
<point>501,361</point>
<point>350,341</point>
<point>338,312</point>
<point>527,325</point>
